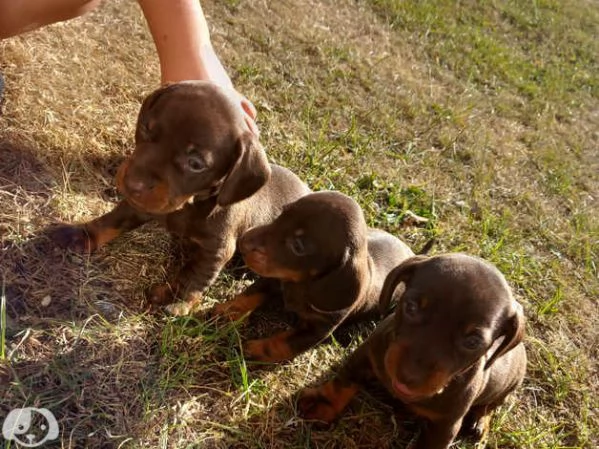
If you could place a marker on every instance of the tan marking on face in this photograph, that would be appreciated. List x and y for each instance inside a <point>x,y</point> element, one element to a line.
<point>433,384</point>
<point>156,200</point>
<point>261,264</point>
<point>471,328</point>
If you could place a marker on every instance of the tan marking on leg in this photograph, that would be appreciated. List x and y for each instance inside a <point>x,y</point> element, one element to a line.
<point>273,349</point>
<point>240,306</point>
<point>326,402</point>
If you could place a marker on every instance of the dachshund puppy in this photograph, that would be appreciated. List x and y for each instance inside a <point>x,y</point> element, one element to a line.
<point>331,268</point>
<point>198,170</point>
<point>451,352</point>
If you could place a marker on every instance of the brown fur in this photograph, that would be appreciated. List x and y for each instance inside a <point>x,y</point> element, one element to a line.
<point>199,171</point>
<point>451,352</point>
<point>331,268</point>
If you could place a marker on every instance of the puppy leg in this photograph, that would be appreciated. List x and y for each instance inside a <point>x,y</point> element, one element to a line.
<point>247,301</point>
<point>286,345</point>
<point>163,294</point>
<point>326,402</point>
<point>88,237</point>
<point>199,273</point>
<point>476,423</point>
<point>438,434</point>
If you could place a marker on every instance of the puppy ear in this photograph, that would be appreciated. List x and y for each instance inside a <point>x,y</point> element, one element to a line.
<point>142,131</point>
<point>401,273</point>
<point>249,174</point>
<point>512,332</point>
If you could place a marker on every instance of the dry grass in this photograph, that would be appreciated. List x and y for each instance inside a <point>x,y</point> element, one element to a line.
<point>483,119</point>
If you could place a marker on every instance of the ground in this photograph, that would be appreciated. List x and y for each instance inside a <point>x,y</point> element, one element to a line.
<point>480,116</point>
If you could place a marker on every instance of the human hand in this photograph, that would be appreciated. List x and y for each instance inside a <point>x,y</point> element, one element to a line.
<point>250,114</point>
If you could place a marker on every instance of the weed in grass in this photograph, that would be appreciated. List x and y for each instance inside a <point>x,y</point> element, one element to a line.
<point>552,305</point>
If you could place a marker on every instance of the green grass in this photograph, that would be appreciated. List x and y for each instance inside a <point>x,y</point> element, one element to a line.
<point>479,116</point>
<point>542,50</point>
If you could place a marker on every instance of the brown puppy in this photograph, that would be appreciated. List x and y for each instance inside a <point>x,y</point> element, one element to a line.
<point>451,352</point>
<point>199,171</point>
<point>331,268</point>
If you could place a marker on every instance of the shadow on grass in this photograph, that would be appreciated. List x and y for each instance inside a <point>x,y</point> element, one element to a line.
<point>80,343</point>
<point>74,341</point>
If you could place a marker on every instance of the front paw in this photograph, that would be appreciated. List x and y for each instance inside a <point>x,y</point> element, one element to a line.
<point>273,349</point>
<point>229,310</point>
<point>240,306</point>
<point>315,406</point>
<point>179,308</point>
<point>256,350</point>
<point>72,237</point>
<point>479,432</point>
<point>160,295</point>
<point>185,308</point>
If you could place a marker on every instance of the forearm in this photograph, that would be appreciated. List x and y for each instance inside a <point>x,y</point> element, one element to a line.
<point>20,16</point>
<point>182,40</point>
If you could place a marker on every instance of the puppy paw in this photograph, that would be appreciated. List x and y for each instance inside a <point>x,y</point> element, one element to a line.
<point>313,405</point>
<point>179,308</point>
<point>479,432</point>
<point>273,349</point>
<point>256,350</point>
<point>240,306</point>
<point>160,295</point>
<point>72,237</point>
<point>229,310</point>
<point>184,308</point>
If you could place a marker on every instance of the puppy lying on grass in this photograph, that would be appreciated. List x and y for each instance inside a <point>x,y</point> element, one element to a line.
<point>330,265</point>
<point>451,352</point>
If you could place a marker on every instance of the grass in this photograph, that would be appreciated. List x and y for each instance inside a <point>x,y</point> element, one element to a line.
<point>3,322</point>
<point>479,116</point>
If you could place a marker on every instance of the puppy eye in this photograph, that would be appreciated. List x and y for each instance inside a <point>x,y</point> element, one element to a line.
<point>411,308</point>
<point>473,342</point>
<point>297,246</point>
<point>194,164</point>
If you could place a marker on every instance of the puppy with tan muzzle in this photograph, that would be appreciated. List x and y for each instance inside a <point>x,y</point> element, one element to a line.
<point>451,352</point>
<point>198,170</point>
<point>330,265</point>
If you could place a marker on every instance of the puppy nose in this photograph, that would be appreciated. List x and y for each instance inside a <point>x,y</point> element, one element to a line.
<point>136,187</point>
<point>249,242</point>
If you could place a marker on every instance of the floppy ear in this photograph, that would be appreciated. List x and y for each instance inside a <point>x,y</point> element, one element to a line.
<point>401,273</point>
<point>249,174</point>
<point>512,332</point>
<point>334,294</point>
<point>142,130</point>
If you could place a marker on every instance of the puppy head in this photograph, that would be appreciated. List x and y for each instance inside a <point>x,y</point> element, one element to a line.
<point>456,310</point>
<point>312,237</point>
<point>191,141</point>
